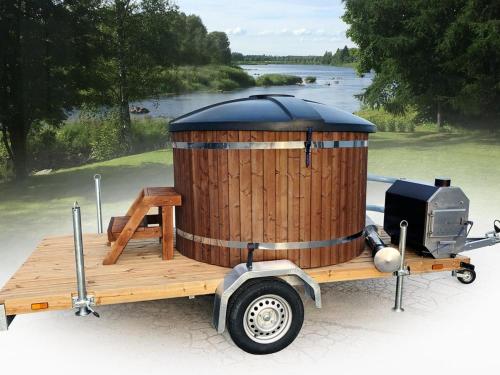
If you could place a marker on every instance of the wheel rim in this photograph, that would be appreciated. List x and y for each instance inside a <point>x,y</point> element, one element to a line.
<point>267,319</point>
<point>467,276</point>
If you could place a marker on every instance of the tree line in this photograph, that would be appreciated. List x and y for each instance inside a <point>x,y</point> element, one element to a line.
<point>442,59</point>
<point>57,55</point>
<point>342,56</point>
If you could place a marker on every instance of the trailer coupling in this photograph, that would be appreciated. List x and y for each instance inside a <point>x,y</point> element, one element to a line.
<point>490,238</point>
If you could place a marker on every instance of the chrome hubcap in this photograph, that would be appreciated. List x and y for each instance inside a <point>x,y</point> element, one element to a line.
<point>467,276</point>
<point>267,319</point>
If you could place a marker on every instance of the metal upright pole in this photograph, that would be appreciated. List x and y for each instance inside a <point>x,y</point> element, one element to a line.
<point>97,182</point>
<point>402,272</point>
<point>81,303</point>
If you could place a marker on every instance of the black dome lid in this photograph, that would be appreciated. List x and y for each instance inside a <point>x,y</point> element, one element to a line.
<point>273,113</point>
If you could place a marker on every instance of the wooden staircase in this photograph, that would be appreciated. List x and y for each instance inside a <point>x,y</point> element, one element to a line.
<point>137,224</point>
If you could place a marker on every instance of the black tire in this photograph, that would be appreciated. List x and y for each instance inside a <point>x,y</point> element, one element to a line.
<point>466,276</point>
<point>267,293</point>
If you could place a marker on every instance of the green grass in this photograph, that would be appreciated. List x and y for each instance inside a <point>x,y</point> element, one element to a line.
<point>278,80</point>
<point>57,191</point>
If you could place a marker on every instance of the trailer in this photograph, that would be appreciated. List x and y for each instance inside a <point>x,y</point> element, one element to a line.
<point>46,282</point>
<point>269,194</point>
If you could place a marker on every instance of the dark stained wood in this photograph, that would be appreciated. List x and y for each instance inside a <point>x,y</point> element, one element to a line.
<point>305,209</point>
<point>326,200</point>
<point>316,188</point>
<point>223,181</point>
<point>294,196</point>
<point>281,196</point>
<point>245,194</point>
<point>257,195</point>
<point>214,207</point>
<point>270,196</point>
<point>234,198</point>
<point>269,199</point>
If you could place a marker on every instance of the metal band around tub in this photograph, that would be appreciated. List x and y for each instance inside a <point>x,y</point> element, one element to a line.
<point>284,145</point>
<point>269,245</point>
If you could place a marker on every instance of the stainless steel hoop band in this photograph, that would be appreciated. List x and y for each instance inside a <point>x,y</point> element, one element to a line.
<point>284,145</point>
<point>269,245</point>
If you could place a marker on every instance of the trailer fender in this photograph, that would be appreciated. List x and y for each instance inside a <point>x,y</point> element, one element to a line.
<point>240,274</point>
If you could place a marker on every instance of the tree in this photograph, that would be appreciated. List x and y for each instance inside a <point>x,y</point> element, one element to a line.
<point>43,63</point>
<point>138,40</point>
<point>440,57</point>
<point>218,48</point>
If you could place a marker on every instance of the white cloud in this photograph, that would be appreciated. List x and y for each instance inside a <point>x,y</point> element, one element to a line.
<point>236,31</point>
<point>301,31</point>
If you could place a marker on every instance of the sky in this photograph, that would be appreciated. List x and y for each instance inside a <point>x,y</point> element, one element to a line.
<point>274,27</point>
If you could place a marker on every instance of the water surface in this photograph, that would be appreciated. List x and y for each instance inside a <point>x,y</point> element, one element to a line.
<point>335,86</point>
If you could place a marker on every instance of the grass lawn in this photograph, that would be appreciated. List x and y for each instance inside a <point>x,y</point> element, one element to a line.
<point>472,162</point>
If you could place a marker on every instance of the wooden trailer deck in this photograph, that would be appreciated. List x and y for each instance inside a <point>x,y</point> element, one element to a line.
<point>47,281</point>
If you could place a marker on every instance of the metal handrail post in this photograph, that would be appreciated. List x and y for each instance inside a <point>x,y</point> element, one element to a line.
<point>82,302</point>
<point>97,183</point>
<point>402,272</point>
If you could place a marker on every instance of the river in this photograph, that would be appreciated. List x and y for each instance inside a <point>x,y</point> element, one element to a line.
<point>335,86</point>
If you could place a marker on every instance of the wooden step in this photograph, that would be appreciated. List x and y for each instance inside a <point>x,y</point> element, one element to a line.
<point>136,222</point>
<point>117,224</point>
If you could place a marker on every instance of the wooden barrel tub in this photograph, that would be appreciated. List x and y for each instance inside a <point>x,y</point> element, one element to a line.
<point>283,174</point>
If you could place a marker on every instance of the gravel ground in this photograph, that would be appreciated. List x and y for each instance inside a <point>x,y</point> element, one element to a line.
<point>447,327</point>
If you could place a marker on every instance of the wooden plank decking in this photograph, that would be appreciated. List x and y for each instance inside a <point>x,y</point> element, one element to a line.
<point>48,275</point>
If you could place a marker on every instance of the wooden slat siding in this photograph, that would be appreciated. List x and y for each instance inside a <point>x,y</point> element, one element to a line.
<point>257,171</point>
<point>213,186</point>
<point>184,211</point>
<point>363,181</point>
<point>294,195</point>
<point>177,178</point>
<point>234,198</point>
<point>198,195</point>
<point>335,200</point>
<point>347,179</point>
<point>316,170</point>
<point>344,200</point>
<point>223,201</point>
<point>269,189</point>
<point>204,229</point>
<point>245,194</point>
<point>281,196</point>
<point>305,209</point>
<point>326,200</point>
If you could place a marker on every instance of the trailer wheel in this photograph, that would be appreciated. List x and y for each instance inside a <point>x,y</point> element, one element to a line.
<point>265,316</point>
<point>466,276</point>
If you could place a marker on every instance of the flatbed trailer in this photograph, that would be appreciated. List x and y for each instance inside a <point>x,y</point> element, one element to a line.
<point>46,281</point>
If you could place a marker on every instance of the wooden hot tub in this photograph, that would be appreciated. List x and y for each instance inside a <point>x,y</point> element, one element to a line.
<point>244,175</point>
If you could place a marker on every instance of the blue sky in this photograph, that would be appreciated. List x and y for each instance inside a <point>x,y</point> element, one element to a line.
<point>278,27</point>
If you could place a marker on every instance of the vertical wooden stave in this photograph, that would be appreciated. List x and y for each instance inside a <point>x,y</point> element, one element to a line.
<point>316,209</point>
<point>281,196</point>
<point>214,208</point>
<point>293,213</point>
<point>257,193</point>
<point>305,209</point>
<point>269,196</point>
<point>223,200</point>
<point>335,201</point>
<point>234,199</point>
<point>326,200</point>
<point>245,194</point>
